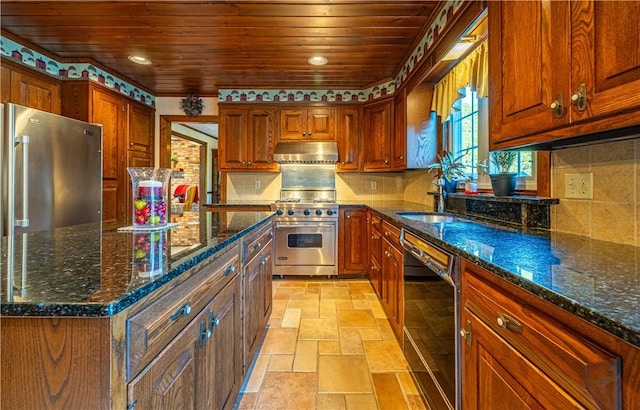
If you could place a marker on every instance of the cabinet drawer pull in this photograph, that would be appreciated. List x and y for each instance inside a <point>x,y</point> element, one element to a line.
<point>230,269</point>
<point>132,405</point>
<point>466,333</point>
<point>507,322</point>
<point>183,310</point>
<point>263,262</point>
<point>256,245</point>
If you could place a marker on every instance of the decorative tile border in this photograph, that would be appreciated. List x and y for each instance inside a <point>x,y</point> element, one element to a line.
<point>33,59</point>
<point>36,60</point>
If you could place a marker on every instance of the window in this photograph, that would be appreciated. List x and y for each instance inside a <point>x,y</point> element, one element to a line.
<point>469,123</point>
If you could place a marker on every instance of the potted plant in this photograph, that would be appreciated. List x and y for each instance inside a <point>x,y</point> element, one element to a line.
<point>174,161</point>
<point>504,181</point>
<point>450,168</point>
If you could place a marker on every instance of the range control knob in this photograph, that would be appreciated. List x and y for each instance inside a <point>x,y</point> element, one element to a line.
<point>291,212</point>
<point>318,212</point>
<point>307,212</point>
<point>330,212</point>
<point>279,212</point>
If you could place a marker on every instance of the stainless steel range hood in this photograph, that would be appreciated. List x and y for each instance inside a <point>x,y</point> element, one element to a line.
<point>306,152</point>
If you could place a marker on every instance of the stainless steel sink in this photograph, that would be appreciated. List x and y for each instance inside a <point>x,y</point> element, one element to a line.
<point>431,217</point>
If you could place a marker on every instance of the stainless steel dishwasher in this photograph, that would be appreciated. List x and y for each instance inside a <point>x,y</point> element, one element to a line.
<point>431,320</point>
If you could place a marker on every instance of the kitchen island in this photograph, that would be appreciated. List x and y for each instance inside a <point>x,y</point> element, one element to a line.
<point>97,318</point>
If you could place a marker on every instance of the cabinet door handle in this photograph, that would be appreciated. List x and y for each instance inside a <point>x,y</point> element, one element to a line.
<point>243,163</point>
<point>304,134</point>
<point>557,106</point>
<point>183,310</point>
<point>204,333</point>
<point>579,98</point>
<point>465,333</point>
<point>228,270</point>
<point>309,133</point>
<point>249,162</point>
<point>386,161</point>
<point>348,216</point>
<point>342,163</point>
<point>213,321</point>
<point>507,322</point>
<point>132,405</point>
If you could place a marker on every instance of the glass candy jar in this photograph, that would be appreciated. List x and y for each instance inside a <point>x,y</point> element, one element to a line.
<point>150,188</point>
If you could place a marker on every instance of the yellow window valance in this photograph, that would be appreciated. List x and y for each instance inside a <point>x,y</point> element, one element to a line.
<point>472,72</point>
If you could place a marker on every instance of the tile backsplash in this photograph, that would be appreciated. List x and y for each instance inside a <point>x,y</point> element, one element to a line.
<point>614,212</point>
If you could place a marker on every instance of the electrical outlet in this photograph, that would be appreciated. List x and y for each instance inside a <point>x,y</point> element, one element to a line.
<point>256,184</point>
<point>374,185</point>
<point>579,185</point>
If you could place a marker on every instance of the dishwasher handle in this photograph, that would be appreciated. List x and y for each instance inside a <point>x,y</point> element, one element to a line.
<point>443,271</point>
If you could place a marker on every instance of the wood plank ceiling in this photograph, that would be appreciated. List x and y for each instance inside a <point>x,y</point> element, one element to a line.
<point>203,46</point>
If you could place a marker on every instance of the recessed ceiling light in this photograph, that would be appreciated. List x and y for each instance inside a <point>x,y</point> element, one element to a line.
<point>318,60</point>
<point>140,60</point>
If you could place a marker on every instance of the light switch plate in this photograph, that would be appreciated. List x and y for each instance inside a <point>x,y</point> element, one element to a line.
<point>374,185</point>
<point>256,184</point>
<point>579,186</point>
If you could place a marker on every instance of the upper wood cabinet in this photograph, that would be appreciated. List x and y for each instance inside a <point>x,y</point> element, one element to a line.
<point>128,135</point>
<point>299,123</point>
<point>30,88</point>
<point>377,136</point>
<point>574,71</point>
<point>349,139</point>
<point>399,148</point>
<point>246,140</point>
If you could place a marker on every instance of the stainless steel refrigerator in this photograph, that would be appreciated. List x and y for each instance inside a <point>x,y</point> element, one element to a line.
<point>51,178</point>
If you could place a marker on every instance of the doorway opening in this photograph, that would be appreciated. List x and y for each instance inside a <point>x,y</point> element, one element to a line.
<point>177,132</point>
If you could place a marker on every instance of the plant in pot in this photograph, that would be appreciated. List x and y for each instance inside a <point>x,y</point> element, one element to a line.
<point>504,181</point>
<point>450,168</point>
<point>174,161</point>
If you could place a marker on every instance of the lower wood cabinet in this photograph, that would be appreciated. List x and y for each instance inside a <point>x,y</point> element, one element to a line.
<point>391,279</point>
<point>352,244</point>
<point>258,279</point>
<point>519,351</point>
<point>179,347</point>
<point>375,250</point>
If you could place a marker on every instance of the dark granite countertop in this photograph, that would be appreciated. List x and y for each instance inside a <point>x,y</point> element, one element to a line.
<point>596,280</point>
<point>81,271</point>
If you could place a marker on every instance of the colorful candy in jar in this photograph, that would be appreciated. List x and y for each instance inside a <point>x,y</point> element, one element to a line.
<point>150,206</point>
<point>149,253</point>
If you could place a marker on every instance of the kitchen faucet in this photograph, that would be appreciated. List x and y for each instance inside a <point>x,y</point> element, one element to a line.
<point>441,193</point>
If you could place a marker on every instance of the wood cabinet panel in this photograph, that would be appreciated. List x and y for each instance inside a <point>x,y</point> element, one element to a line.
<point>375,251</point>
<point>141,129</point>
<point>566,56</point>
<point>610,73</point>
<point>349,140</point>
<point>5,84</point>
<point>377,136</point>
<point>232,138</point>
<point>261,140</point>
<point>528,67</point>
<point>352,246</point>
<point>246,140</point>
<point>55,363</point>
<point>527,343</point>
<point>224,351</point>
<point>33,90</point>
<point>299,123</point>
<point>399,146</point>
<point>392,285</point>
<point>177,376</point>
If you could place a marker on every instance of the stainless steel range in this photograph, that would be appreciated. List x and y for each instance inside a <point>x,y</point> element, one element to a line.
<point>306,222</point>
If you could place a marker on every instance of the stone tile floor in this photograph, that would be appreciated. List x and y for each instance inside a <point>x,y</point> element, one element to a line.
<point>328,346</point>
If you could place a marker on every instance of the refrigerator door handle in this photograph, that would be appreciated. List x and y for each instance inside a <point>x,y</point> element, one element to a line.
<point>24,139</point>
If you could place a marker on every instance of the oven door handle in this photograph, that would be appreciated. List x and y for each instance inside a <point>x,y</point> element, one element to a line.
<point>278,226</point>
